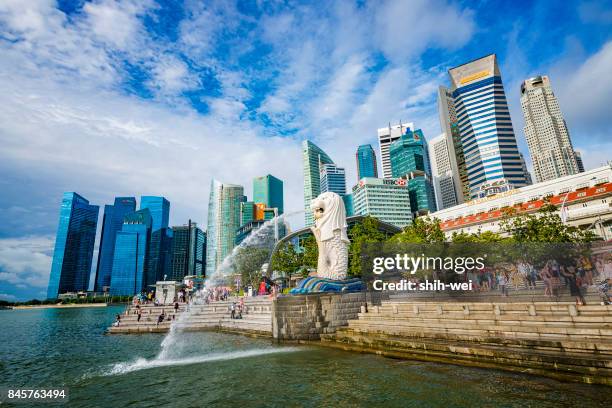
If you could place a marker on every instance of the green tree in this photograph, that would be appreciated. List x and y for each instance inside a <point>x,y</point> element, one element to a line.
<point>286,259</point>
<point>364,232</point>
<point>479,237</point>
<point>248,262</point>
<point>423,230</point>
<point>310,253</point>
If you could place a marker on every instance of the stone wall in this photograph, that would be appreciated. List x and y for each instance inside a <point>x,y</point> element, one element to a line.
<point>306,317</point>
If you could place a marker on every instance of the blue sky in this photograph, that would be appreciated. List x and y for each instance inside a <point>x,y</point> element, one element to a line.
<point>145,97</point>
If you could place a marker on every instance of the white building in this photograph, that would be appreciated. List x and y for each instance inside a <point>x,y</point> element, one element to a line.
<point>441,172</point>
<point>386,199</point>
<point>586,200</point>
<point>386,136</point>
<point>547,137</point>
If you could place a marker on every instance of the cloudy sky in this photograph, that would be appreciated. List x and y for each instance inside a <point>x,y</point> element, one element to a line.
<point>112,98</point>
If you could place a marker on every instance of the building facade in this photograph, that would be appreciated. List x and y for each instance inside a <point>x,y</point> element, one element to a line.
<point>410,160</point>
<point>313,157</point>
<point>188,252</point>
<point>579,161</point>
<point>111,224</point>
<point>74,245</point>
<point>159,208</point>
<point>547,136</point>
<point>586,200</point>
<point>528,179</point>
<point>385,199</point>
<point>366,162</point>
<point>386,136</point>
<point>129,276</point>
<point>333,179</point>
<point>269,191</point>
<point>442,173</point>
<point>159,262</point>
<point>487,136</point>
<point>223,222</point>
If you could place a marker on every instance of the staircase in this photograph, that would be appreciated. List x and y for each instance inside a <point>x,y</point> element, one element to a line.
<point>256,319</point>
<point>555,339</point>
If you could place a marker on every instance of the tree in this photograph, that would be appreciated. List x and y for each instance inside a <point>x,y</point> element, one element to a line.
<point>479,237</point>
<point>364,232</point>
<point>422,230</point>
<point>310,253</point>
<point>286,259</point>
<point>248,262</point>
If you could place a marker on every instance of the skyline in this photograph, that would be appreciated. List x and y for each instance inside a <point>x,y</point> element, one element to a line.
<point>151,86</point>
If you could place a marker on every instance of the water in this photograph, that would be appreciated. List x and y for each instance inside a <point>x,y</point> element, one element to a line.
<point>60,347</point>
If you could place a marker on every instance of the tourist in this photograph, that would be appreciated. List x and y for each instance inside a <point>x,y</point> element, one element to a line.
<point>138,314</point>
<point>176,307</point>
<point>603,289</point>
<point>233,310</point>
<point>262,288</point>
<point>117,319</point>
<point>569,273</point>
<point>502,282</point>
<point>160,318</point>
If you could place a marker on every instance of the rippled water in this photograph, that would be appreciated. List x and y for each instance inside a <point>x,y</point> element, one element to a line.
<point>59,347</point>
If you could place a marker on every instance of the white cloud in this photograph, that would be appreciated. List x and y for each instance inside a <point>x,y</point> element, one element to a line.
<point>115,22</point>
<point>26,261</point>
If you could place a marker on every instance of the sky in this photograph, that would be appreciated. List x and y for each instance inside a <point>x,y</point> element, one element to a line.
<point>128,98</point>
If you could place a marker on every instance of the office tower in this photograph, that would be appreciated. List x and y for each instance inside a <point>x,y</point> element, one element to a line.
<point>386,136</point>
<point>366,162</point>
<point>312,157</point>
<point>269,191</point>
<point>188,249</point>
<point>247,212</point>
<point>159,208</point>
<point>348,204</point>
<point>385,199</point>
<point>111,224</point>
<point>160,256</point>
<point>487,138</point>
<point>442,173</point>
<point>333,179</point>
<point>547,137</point>
<point>129,276</point>
<point>579,161</point>
<point>74,245</point>
<point>528,179</point>
<point>223,222</point>
<point>410,160</point>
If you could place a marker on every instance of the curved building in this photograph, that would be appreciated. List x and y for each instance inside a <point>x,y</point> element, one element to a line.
<point>313,158</point>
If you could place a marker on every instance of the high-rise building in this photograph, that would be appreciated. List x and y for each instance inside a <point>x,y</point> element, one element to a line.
<point>528,179</point>
<point>160,255</point>
<point>333,179</point>
<point>269,191</point>
<point>111,224</point>
<point>188,251</point>
<point>386,136</point>
<point>74,245</point>
<point>348,204</point>
<point>385,199</point>
<point>366,162</point>
<point>489,146</point>
<point>579,161</point>
<point>547,136</point>
<point>223,222</point>
<point>247,212</point>
<point>129,276</point>
<point>442,173</point>
<point>313,157</point>
<point>159,208</point>
<point>410,160</point>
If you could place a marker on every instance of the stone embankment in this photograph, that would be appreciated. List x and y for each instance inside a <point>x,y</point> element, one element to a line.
<point>554,339</point>
<point>256,319</point>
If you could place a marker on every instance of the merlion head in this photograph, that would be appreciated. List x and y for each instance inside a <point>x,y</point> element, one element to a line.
<point>330,215</point>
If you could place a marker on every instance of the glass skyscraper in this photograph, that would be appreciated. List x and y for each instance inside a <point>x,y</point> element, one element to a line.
<point>268,190</point>
<point>74,245</point>
<point>223,222</point>
<point>489,146</point>
<point>188,251</point>
<point>409,158</point>
<point>111,224</point>
<point>333,178</point>
<point>159,208</point>
<point>129,275</point>
<point>366,162</point>
<point>160,255</point>
<point>312,157</point>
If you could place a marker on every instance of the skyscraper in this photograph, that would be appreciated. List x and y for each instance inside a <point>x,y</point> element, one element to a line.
<point>579,161</point>
<point>489,146</point>
<point>129,275</point>
<point>159,208</point>
<point>269,191</point>
<point>111,224</point>
<point>160,255</point>
<point>442,174</point>
<point>333,178</point>
<point>385,199</point>
<point>223,222</point>
<point>74,244</point>
<point>312,157</point>
<point>410,160</point>
<point>366,162</point>
<point>188,251</point>
<point>386,136</point>
<point>547,137</point>
<point>528,179</point>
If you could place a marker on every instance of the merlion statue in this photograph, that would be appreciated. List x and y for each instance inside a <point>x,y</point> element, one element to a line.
<point>330,232</point>
<point>333,243</point>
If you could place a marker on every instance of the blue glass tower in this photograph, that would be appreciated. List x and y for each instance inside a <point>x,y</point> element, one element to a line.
<point>332,178</point>
<point>366,162</point>
<point>268,190</point>
<point>74,244</point>
<point>159,208</point>
<point>131,249</point>
<point>111,224</point>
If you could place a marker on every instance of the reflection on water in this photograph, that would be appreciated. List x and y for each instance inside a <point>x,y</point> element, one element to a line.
<point>54,348</point>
